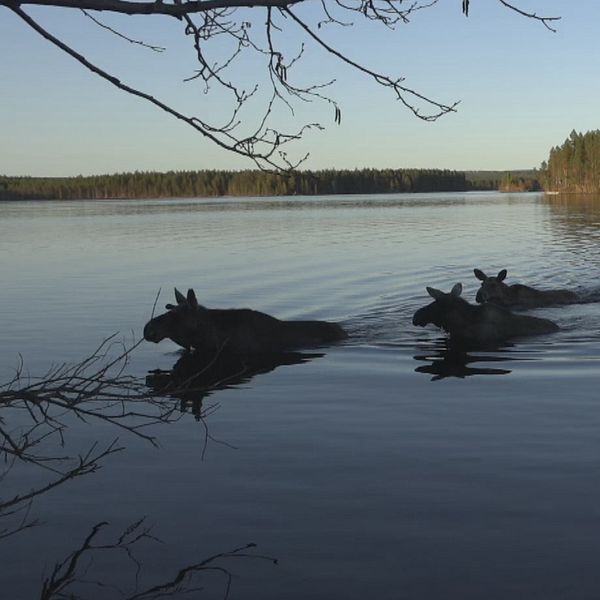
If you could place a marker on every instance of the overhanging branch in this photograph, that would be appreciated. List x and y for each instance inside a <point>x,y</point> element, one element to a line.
<point>245,147</point>
<point>152,8</point>
<point>225,41</point>
<point>395,84</point>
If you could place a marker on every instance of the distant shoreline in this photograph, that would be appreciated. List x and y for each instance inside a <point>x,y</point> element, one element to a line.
<point>286,196</point>
<point>219,184</point>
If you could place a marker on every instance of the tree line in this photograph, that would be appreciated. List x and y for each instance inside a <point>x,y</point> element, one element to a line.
<point>505,181</point>
<point>213,183</point>
<point>575,165</point>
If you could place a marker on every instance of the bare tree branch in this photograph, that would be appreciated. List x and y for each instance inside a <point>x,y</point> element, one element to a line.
<point>220,26</point>
<point>176,9</point>
<point>36,413</point>
<point>544,20</point>
<point>67,576</point>
<point>395,84</point>
<point>121,35</point>
<point>23,523</point>
<point>247,147</point>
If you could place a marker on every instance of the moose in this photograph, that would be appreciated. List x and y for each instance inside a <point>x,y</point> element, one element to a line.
<point>235,331</point>
<point>493,289</point>
<point>483,324</point>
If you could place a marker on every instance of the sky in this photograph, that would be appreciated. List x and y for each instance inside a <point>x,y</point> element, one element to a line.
<point>521,90</point>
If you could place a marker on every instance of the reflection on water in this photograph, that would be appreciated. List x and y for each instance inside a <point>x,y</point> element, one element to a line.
<point>448,359</point>
<point>42,453</point>
<point>198,374</point>
<point>575,211</point>
<point>575,228</point>
<point>353,469</point>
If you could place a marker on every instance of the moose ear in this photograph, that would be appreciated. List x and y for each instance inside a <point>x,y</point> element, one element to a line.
<point>456,290</point>
<point>435,294</point>
<point>502,275</point>
<point>191,298</point>
<point>179,297</point>
<point>170,306</point>
<point>480,274</point>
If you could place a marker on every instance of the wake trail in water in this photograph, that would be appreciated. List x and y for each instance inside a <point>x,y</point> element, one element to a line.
<point>589,296</point>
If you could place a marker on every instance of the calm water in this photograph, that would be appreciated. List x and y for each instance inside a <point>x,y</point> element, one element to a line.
<point>385,468</point>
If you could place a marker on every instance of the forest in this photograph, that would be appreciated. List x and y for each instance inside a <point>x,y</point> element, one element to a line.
<point>213,183</point>
<point>575,165</point>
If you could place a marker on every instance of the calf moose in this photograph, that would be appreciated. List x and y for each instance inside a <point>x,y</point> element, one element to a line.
<point>493,289</point>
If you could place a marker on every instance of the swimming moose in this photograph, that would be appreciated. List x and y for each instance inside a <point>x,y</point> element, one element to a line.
<point>493,289</point>
<point>238,331</point>
<point>486,323</point>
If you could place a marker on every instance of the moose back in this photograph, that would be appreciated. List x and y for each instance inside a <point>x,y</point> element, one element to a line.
<point>240,331</point>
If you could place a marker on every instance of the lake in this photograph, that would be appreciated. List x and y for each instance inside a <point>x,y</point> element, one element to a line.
<point>385,466</point>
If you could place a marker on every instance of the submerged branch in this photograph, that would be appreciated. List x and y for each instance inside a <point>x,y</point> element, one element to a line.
<point>69,574</point>
<point>36,413</point>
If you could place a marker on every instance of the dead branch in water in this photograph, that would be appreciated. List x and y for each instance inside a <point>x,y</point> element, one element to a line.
<point>95,388</point>
<point>36,412</point>
<point>35,415</point>
<point>73,572</point>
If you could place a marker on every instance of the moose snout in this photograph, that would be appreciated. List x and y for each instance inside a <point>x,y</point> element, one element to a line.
<point>419,318</point>
<point>151,334</point>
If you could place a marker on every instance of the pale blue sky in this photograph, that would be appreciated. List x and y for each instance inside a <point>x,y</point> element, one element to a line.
<point>522,89</point>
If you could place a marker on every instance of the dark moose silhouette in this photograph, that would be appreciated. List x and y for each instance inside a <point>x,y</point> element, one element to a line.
<point>485,323</point>
<point>493,289</point>
<point>237,331</point>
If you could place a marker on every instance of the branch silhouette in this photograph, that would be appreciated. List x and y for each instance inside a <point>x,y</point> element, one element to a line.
<point>36,413</point>
<point>223,25</point>
<point>75,571</point>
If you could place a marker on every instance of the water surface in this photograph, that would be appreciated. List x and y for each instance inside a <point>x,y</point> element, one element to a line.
<point>387,467</point>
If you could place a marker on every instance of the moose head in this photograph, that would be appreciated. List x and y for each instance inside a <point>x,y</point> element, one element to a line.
<point>493,289</point>
<point>441,309</point>
<point>182,322</point>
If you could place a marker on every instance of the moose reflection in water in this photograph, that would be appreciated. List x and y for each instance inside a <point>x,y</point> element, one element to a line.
<point>481,324</point>
<point>239,331</point>
<point>448,359</point>
<point>198,373</point>
<point>493,289</point>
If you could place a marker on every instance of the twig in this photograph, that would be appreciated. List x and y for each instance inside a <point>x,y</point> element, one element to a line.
<point>122,36</point>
